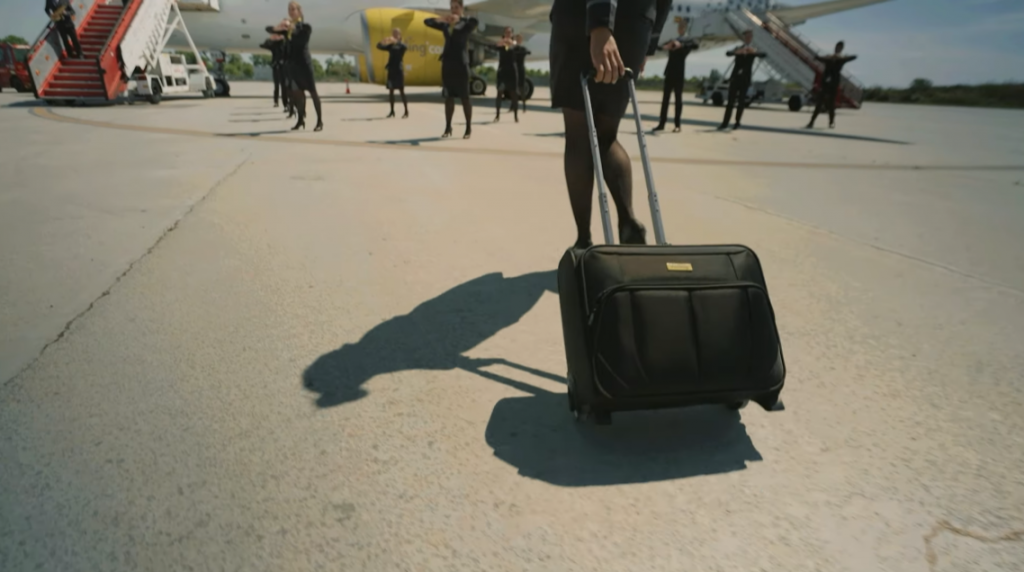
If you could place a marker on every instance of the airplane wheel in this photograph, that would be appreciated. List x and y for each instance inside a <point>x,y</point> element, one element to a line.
<point>223,88</point>
<point>16,85</point>
<point>528,89</point>
<point>717,99</point>
<point>796,103</point>
<point>477,85</point>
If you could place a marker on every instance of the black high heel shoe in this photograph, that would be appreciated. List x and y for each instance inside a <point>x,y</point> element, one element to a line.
<point>468,133</point>
<point>447,132</point>
<point>406,116</point>
<point>633,233</point>
<point>301,123</point>
<point>390,115</point>
<point>319,125</point>
<point>582,244</point>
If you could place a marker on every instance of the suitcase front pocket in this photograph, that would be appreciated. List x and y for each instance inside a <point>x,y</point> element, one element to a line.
<point>680,339</point>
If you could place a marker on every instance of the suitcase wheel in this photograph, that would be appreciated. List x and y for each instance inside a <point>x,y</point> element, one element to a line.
<point>737,405</point>
<point>586,413</point>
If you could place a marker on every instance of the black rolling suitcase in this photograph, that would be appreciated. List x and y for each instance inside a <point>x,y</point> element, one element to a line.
<point>650,327</point>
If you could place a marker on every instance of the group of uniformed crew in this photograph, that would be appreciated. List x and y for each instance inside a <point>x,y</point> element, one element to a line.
<point>292,66</point>
<point>740,79</point>
<point>293,70</point>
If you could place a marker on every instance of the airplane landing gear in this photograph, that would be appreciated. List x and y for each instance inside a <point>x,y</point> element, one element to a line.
<point>477,85</point>
<point>527,89</point>
<point>222,89</point>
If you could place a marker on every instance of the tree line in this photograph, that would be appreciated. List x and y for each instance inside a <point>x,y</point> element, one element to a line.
<point>236,68</point>
<point>923,91</point>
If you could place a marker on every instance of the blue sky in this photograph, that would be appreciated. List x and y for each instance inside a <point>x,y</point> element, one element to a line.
<point>947,41</point>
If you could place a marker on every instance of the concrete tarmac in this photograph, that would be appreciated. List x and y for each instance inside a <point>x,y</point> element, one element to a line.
<point>229,346</point>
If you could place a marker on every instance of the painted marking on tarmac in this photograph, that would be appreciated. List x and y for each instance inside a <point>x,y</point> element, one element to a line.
<point>276,137</point>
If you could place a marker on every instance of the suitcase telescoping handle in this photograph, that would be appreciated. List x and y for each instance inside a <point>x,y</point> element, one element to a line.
<point>602,195</point>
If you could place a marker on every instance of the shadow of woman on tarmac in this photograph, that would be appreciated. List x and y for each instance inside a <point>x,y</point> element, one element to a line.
<point>434,335</point>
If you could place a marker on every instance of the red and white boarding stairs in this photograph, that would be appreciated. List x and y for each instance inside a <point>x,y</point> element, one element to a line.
<point>791,56</point>
<point>115,41</point>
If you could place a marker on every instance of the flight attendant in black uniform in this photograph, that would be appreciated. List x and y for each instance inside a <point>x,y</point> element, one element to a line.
<point>395,48</point>
<point>284,67</point>
<point>300,65</point>
<point>66,26</point>
<point>508,74</point>
<point>455,63</point>
<point>607,36</point>
<point>739,81</point>
<point>276,46</point>
<point>675,73</point>
<point>830,80</point>
<point>521,53</point>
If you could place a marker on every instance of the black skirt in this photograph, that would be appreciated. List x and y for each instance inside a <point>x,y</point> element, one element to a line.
<point>455,78</point>
<point>570,57</point>
<point>508,82</point>
<point>300,78</point>
<point>396,78</point>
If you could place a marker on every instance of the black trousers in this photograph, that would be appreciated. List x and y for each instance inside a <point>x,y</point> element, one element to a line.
<point>676,87</point>
<point>280,89</point>
<point>69,36</point>
<point>826,101</point>
<point>738,99</point>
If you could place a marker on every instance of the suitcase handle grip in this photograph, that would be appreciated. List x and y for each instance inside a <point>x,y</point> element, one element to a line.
<point>602,195</point>
<point>589,75</point>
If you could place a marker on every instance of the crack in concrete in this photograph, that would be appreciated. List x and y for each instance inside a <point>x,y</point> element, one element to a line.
<point>67,327</point>
<point>944,526</point>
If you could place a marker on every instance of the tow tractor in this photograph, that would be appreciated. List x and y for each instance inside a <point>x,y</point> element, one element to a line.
<point>172,75</point>
<point>14,72</point>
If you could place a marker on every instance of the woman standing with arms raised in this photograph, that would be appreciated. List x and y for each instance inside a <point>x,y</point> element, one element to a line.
<point>300,64</point>
<point>508,74</point>
<point>396,49</point>
<point>455,63</point>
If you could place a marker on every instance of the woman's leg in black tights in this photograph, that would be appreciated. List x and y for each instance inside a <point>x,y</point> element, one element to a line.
<point>298,100</point>
<point>497,107</point>
<point>817,110</point>
<point>316,106</point>
<point>679,102</point>
<point>579,174</point>
<point>618,174</point>
<point>391,98</point>
<point>404,102</point>
<point>449,111</point>
<point>467,110</point>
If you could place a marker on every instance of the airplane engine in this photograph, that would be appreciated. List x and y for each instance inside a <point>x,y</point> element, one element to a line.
<point>422,66</point>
